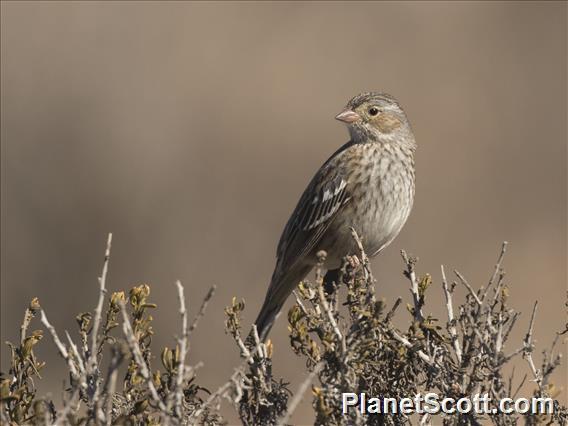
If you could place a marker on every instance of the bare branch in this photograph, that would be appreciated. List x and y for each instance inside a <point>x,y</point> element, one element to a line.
<point>299,395</point>
<point>331,318</point>
<point>451,320</point>
<point>407,343</point>
<point>411,275</point>
<point>92,364</point>
<point>137,354</point>
<point>183,350</point>
<point>239,371</point>
<point>470,289</point>
<point>76,354</point>
<point>528,348</point>
<point>202,309</point>
<point>497,269</point>
<point>99,308</point>
<point>391,313</point>
<point>110,384</point>
<point>60,346</point>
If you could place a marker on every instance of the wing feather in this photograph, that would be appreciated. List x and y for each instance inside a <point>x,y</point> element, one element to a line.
<point>320,202</point>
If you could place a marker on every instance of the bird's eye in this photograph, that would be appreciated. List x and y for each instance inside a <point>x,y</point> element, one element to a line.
<point>373,111</point>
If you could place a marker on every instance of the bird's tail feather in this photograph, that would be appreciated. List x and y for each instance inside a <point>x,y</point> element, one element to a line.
<point>267,316</point>
<point>280,288</point>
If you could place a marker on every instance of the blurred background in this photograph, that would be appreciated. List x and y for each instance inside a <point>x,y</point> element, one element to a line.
<point>189,130</point>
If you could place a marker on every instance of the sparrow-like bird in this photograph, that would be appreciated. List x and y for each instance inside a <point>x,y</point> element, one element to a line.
<point>367,184</point>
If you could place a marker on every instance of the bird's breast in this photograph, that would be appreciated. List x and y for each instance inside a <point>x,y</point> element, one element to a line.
<point>382,194</point>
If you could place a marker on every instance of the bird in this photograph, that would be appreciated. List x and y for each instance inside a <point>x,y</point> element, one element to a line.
<point>367,185</point>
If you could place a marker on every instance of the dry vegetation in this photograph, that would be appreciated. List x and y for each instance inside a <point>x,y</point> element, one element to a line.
<point>347,338</point>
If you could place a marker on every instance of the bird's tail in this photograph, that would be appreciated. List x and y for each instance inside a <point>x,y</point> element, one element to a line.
<point>278,291</point>
<point>267,316</point>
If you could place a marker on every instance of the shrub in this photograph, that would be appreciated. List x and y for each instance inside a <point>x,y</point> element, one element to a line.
<point>347,338</point>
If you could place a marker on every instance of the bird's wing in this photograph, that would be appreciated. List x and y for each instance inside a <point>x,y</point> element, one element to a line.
<point>326,194</point>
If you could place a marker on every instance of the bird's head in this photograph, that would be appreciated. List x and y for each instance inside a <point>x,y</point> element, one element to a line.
<point>375,117</point>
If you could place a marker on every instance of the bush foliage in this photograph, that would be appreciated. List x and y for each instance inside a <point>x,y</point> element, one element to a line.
<point>346,336</point>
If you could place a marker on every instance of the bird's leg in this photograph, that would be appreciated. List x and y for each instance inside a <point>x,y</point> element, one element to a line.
<point>331,280</point>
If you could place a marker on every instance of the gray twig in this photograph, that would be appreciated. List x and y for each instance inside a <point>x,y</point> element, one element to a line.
<point>451,320</point>
<point>137,354</point>
<point>202,309</point>
<point>183,350</point>
<point>299,394</point>
<point>528,348</point>
<point>91,362</point>
<point>469,288</point>
<point>60,346</point>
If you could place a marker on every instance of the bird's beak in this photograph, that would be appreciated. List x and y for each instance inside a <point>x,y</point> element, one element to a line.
<point>348,116</point>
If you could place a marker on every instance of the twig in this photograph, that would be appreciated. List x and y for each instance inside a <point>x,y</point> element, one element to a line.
<point>234,379</point>
<point>202,309</point>
<point>425,420</point>
<point>299,395</point>
<point>60,346</point>
<point>391,313</point>
<point>67,408</point>
<point>245,353</point>
<point>137,354</point>
<point>219,392</point>
<point>261,350</point>
<point>363,254</point>
<point>512,322</point>
<point>514,395</point>
<point>99,308</point>
<point>496,270</point>
<point>407,344</point>
<point>29,314</point>
<point>512,355</point>
<point>110,384</point>
<point>411,275</point>
<point>183,350</point>
<point>299,302</point>
<point>499,338</point>
<point>470,289</point>
<point>451,321</point>
<point>76,354</point>
<point>92,364</point>
<point>331,318</point>
<point>527,352</point>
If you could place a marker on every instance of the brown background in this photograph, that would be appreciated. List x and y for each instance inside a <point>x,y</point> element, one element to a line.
<point>190,130</point>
